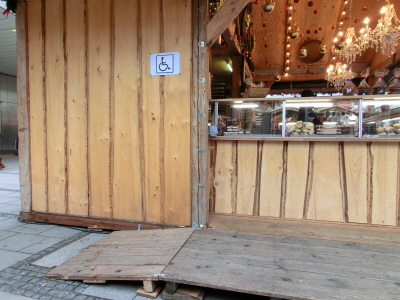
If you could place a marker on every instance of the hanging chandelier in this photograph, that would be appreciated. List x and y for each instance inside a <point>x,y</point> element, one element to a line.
<point>337,75</point>
<point>387,31</point>
<point>351,47</point>
<point>385,36</point>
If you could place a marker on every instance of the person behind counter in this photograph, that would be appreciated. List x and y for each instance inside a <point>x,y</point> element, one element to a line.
<point>303,110</point>
<point>318,120</point>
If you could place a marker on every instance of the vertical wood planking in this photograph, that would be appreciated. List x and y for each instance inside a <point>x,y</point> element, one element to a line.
<point>326,203</point>
<point>212,150</point>
<point>356,161</point>
<point>24,106</point>
<point>246,174</point>
<point>271,179</point>
<point>385,170</point>
<point>98,49</point>
<point>223,176</point>
<point>37,107</point>
<point>152,113</point>
<point>55,104</point>
<point>75,47</point>
<point>297,175</point>
<point>127,191</point>
<point>178,37</point>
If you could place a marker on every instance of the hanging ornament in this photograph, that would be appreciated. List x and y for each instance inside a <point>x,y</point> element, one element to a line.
<point>364,9</point>
<point>277,77</point>
<point>316,11</point>
<point>305,66</point>
<point>308,31</point>
<point>340,44</point>
<point>322,48</point>
<point>296,1</point>
<point>333,26</point>
<point>301,35</point>
<point>356,21</point>
<point>256,1</point>
<point>313,72</point>
<point>308,38</point>
<point>266,45</point>
<point>303,52</point>
<point>316,31</point>
<point>264,24</point>
<point>320,28</point>
<point>294,33</point>
<point>310,3</point>
<point>269,7</point>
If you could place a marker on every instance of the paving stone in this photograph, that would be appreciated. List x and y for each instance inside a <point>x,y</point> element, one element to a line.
<point>20,241</point>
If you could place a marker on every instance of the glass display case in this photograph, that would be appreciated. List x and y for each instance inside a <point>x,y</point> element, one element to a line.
<point>381,118</point>
<point>344,117</point>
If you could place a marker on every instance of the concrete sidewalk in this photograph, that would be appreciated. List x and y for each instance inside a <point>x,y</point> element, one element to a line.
<point>29,250</point>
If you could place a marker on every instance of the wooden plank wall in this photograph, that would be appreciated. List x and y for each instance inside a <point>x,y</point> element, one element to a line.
<point>107,139</point>
<point>356,182</point>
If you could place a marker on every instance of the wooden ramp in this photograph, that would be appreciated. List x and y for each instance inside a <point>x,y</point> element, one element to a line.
<point>281,266</point>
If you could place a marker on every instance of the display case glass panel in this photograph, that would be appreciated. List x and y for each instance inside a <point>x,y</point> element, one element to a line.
<point>381,118</point>
<point>322,118</point>
<point>248,118</point>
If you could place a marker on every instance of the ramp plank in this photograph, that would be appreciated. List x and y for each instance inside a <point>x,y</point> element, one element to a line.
<point>125,255</point>
<point>270,264</point>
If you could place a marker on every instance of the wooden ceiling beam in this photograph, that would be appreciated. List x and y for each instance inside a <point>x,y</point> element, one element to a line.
<point>223,18</point>
<point>291,77</point>
<point>382,61</point>
<point>230,40</point>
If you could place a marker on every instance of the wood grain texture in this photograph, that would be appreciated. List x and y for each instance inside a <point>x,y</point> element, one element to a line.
<point>385,168</point>
<point>326,202</point>
<point>75,51</point>
<point>23,107</point>
<point>356,161</point>
<point>246,177</point>
<point>271,179</point>
<point>55,106</point>
<point>225,172</point>
<point>127,179</point>
<point>153,113</point>
<point>227,13</point>
<point>178,37</point>
<point>296,179</point>
<point>37,108</point>
<point>150,252</point>
<point>99,61</point>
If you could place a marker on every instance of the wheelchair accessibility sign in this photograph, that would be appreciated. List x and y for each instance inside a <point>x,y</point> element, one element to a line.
<point>165,63</point>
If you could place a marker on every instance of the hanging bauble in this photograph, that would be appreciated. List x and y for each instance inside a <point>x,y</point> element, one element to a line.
<point>277,77</point>
<point>310,3</point>
<point>316,11</point>
<point>356,21</point>
<point>308,31</point>
<point>294,33</point>
<point>264,24</point>
<point>316,31</point>
<point>269,7</point>
<point>296,1</point>
<point>303,52</point>
<point>340,44</point>
<point>364,9</point>
<point>322,48</point>
<point>320,28</point>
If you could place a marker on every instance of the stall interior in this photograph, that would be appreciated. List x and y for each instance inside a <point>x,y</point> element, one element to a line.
<point>319,117</point>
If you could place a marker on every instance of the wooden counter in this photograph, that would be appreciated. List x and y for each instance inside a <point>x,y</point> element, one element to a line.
<point>324,179</point>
